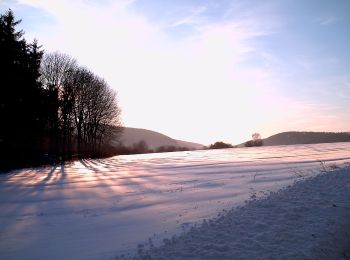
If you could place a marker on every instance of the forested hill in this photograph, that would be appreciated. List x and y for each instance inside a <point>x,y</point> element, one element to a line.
<point>154,140</point>
<point>289,138</point>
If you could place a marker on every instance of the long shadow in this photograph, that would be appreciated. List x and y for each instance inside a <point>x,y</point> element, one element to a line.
<point>62,205</point>
<point>49,175</point>
<point>88,166</point>
<point>110,164</point>
<point>63,172</point>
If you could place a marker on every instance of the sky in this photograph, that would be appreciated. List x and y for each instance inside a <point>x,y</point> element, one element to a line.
<point>208,70</point>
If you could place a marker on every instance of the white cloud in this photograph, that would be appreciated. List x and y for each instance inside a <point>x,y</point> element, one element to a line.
<point>190,88</point>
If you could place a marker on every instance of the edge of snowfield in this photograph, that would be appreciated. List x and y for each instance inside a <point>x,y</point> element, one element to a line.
<point>307,220</point>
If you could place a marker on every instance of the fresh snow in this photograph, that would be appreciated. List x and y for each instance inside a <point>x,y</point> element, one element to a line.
<point>100,209</point>
<point>309,220</point>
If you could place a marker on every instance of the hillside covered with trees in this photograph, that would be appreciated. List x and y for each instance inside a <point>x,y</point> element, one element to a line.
<point>290,138</point>
<point>154,140</point>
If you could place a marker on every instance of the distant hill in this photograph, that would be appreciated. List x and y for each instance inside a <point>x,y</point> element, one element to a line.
<point>290,138</point>
<point>153,139</point>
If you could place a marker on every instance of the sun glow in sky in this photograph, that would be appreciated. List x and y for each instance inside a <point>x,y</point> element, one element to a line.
<point>205,71</point>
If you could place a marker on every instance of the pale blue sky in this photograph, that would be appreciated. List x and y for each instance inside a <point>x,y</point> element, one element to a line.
<point>208,70</point>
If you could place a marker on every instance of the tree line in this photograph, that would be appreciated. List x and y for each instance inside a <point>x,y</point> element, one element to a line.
<point>51,108</point>
<point>255,141</point>
<point>142,147</point>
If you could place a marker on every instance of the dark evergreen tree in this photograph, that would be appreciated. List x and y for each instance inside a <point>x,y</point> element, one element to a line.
<point>21,95</point>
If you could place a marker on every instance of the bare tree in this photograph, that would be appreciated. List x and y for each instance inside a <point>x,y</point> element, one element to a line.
<point>85,108</point>
<point>257,141</point>
<point>55,70</point>
<point>81,81</point>
<point>66,96</point>
<point>95,109</point>
<point>104,113</point>
<point>256,136</point>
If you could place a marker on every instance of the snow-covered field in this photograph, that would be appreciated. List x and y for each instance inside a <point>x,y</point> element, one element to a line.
<point>307,220</point>
<point>98,209</point>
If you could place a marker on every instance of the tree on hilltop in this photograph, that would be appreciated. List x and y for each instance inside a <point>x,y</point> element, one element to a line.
<point>256,141</point>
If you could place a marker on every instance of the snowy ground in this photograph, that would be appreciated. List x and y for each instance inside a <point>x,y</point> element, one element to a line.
<point>309,220</point>
<point>98,209</point>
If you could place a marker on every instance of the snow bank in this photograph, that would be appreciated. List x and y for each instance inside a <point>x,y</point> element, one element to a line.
<point>308,220</point>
